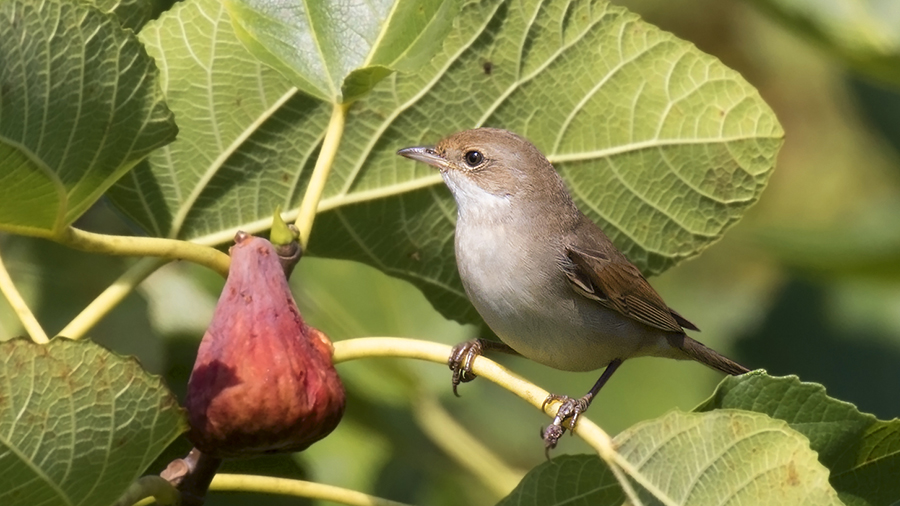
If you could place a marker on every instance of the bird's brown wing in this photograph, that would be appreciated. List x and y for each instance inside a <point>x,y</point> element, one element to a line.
<point>617,284</point>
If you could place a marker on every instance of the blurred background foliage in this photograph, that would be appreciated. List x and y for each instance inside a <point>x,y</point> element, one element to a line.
<point>808,284</point>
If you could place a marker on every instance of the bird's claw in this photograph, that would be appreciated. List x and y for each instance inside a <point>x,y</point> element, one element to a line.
<point>460,362</point>
<point>551,435</point>
<point>569,410</point>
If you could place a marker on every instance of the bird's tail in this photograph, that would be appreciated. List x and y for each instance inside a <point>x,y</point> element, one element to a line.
<point>710,357</point>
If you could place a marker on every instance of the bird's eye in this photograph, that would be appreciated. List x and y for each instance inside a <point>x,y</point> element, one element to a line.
<point>474,158</point>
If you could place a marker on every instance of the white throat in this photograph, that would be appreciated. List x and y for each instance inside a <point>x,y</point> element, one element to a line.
<point>474,203</point>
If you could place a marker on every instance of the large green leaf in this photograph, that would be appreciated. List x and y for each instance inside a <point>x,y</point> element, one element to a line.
<point>661,144</point>
<point>862,452</point>
<point>864,33</point>
<point>78,424</point>
<point>80,105</point>
<point>247,136</point>
<point>722,457</point>
<point>336,51</point>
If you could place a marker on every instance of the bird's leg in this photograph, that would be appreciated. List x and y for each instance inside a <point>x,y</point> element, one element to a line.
<point>572,408</point>
<point>464,354</point>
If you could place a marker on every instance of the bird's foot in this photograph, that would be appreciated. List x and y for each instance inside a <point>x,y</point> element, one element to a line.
<point>569,411</point>
<point>463,356</point>
<point>460,361</point>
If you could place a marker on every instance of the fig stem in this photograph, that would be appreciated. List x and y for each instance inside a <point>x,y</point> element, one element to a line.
<point>194,484</point>
<point>20,307</point>
<point>149,486</point>
<point>316,186</point>
<point>111,297</point>
<point>299,488</point>
<point>168,249</point>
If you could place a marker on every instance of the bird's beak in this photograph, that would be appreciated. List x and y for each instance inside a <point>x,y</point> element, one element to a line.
<point>425,154</point>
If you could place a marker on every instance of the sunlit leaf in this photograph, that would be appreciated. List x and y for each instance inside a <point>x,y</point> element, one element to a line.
<point>246,134</point>
<point>721,457</point>
<point>862,452</point>
<point>661,144</point>
<point>337,51</point>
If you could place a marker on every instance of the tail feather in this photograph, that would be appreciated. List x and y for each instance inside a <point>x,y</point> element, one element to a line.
<point>710,357</point>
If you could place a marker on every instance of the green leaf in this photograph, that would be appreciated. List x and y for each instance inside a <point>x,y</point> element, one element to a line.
<point>79,106</point>
<point>568,479</point>
<point>247,138</point>
<point>722,457</point>
<point>864,33</point>
<point>661,144</point>
<point>78,423</point>
<point>319,46</point>
<point>862,452</point>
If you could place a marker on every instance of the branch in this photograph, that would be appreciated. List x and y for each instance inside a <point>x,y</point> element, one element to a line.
<point>299,488</point>
<point>352,349</point>
<point>20,307</point>
<point>593,435</point>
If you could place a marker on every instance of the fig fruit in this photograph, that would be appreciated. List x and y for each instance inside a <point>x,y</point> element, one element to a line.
<point>263,381</point>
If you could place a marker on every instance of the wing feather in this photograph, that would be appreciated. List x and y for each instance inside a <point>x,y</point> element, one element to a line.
<point>617,284</point>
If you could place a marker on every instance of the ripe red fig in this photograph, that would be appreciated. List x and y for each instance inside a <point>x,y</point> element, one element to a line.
<point>263,381</point>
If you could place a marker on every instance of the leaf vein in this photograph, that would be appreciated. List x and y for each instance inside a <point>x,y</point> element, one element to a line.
<point>425,89</point>
<point>523,80</point>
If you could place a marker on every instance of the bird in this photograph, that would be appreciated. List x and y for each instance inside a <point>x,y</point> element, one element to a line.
<point>545,278</point>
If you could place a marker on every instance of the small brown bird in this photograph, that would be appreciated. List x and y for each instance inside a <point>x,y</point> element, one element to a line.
<point>544,277</point>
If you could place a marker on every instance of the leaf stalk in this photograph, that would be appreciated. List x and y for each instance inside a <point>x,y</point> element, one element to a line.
<point>319,177</point>
<point>20,307</point>
<point>298,488</point>
<point>167,249</point>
